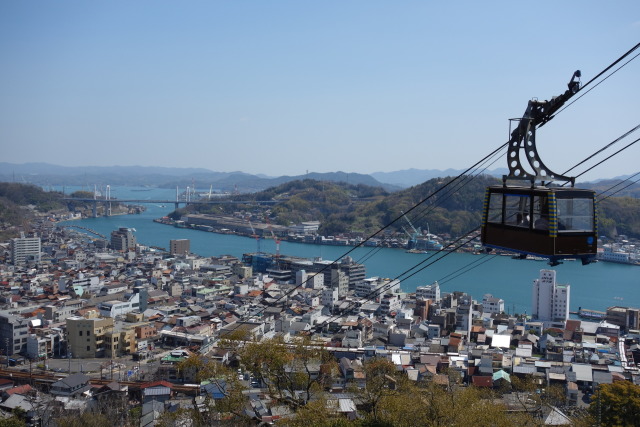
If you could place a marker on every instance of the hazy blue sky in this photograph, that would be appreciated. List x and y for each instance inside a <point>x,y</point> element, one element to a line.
<point>282,87</point>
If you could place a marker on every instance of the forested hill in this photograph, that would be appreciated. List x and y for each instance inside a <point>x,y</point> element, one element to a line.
<point>20,202</point>
<point>345,208</point>
<point>452,209</point>
<point>14,201</point>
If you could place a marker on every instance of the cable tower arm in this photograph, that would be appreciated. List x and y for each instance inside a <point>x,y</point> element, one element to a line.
<point>523,137</point>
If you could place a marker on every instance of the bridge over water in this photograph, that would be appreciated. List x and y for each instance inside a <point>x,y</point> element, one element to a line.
<point>107,201</point>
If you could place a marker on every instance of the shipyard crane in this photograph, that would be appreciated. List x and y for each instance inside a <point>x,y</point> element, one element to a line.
<point>275,239</point>
<point>416,231</point>
<point>254,235</point>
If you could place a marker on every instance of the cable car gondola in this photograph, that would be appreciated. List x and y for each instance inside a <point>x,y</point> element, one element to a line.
<point>547,221</point>
<point>553,223</point>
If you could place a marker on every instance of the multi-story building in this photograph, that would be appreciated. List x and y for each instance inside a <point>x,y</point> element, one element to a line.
<point>25,249</point>
<point>339,281</point>
<point>57,313</point>
<point>45,343</point>
<point>14,332</point>
<point>355,271</point>
<point>550,300</point>
<point>123,240</point>
<point>373,287</point>
<point>625,317</point>
<point>311,281</point>
<point>180,246</point>
<point>119,342</point>
<point>389,304</point>
<point>329,297</point>
<point>129,303</point>
<point>431,292</point>
<point>491,305</point>
<point>309,227</point>
<point>86,337</point>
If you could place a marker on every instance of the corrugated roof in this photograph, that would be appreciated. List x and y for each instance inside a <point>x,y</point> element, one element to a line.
<point>583,372</point>
<point>157,391</point>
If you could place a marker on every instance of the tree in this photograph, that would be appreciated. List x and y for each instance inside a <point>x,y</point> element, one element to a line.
<point>15,420</point>
<point>381,382</point>
<point>231,405</point>
<point>289,370</point>
<point>93,419</point>
<point>316,413</point>
<point>616,404</point>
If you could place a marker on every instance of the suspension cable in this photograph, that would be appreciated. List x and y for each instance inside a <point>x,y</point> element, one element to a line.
<point>415,206</point>
<point>620,189</point>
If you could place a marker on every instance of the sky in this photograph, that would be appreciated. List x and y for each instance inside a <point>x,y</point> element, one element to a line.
<point>286,87</point>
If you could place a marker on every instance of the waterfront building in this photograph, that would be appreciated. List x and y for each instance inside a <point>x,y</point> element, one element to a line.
<point>25,249</point>
<point>431,292</point>
<point>305,228</point>
<point>550,300</point>
<point>179,246</point>
<point>491,305</point>
<point>123,240</point>
<point>627,318</point>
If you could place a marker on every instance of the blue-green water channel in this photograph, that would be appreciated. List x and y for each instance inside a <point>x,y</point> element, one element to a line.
<point>596,286</point>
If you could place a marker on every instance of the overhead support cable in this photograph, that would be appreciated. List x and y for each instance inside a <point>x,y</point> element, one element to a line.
<point>287,294</point>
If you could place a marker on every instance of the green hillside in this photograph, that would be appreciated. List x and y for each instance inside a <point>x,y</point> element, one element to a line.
<point>454,210</point>
<point>19,204</point>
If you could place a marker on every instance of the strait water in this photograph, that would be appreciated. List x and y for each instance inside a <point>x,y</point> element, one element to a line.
<point>596,286</point>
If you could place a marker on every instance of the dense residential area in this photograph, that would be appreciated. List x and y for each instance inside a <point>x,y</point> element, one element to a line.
<point>106,328</point>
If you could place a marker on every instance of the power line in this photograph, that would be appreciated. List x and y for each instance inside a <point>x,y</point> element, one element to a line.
<point>482,260</point>
<point>620,189</point>
<point>288,293</point>
<point>609,157</point>
<point>603,80</point>
<point>618,139</point>
<point>388,286</point>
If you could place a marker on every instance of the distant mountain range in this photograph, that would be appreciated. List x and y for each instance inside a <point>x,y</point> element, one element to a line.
<point>44,174</point>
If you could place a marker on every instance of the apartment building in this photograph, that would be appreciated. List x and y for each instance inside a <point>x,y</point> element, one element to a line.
<point>86,337</point>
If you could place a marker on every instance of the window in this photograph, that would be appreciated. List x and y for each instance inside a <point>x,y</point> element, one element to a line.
<point>88,333</point>
<point>516,210</point>
<point>575,215</point>
<point>540,213</point>
<point>494,213</point>
<point>80,333</point>
<point>88,348</point>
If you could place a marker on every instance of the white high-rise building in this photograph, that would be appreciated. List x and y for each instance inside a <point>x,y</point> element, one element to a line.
<point>550,300</point>
<point>24,249</point>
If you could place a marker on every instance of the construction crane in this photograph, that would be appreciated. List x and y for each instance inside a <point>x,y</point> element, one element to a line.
<point>254,235</point>
<point>416,231</point>
<point>275,239</point>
